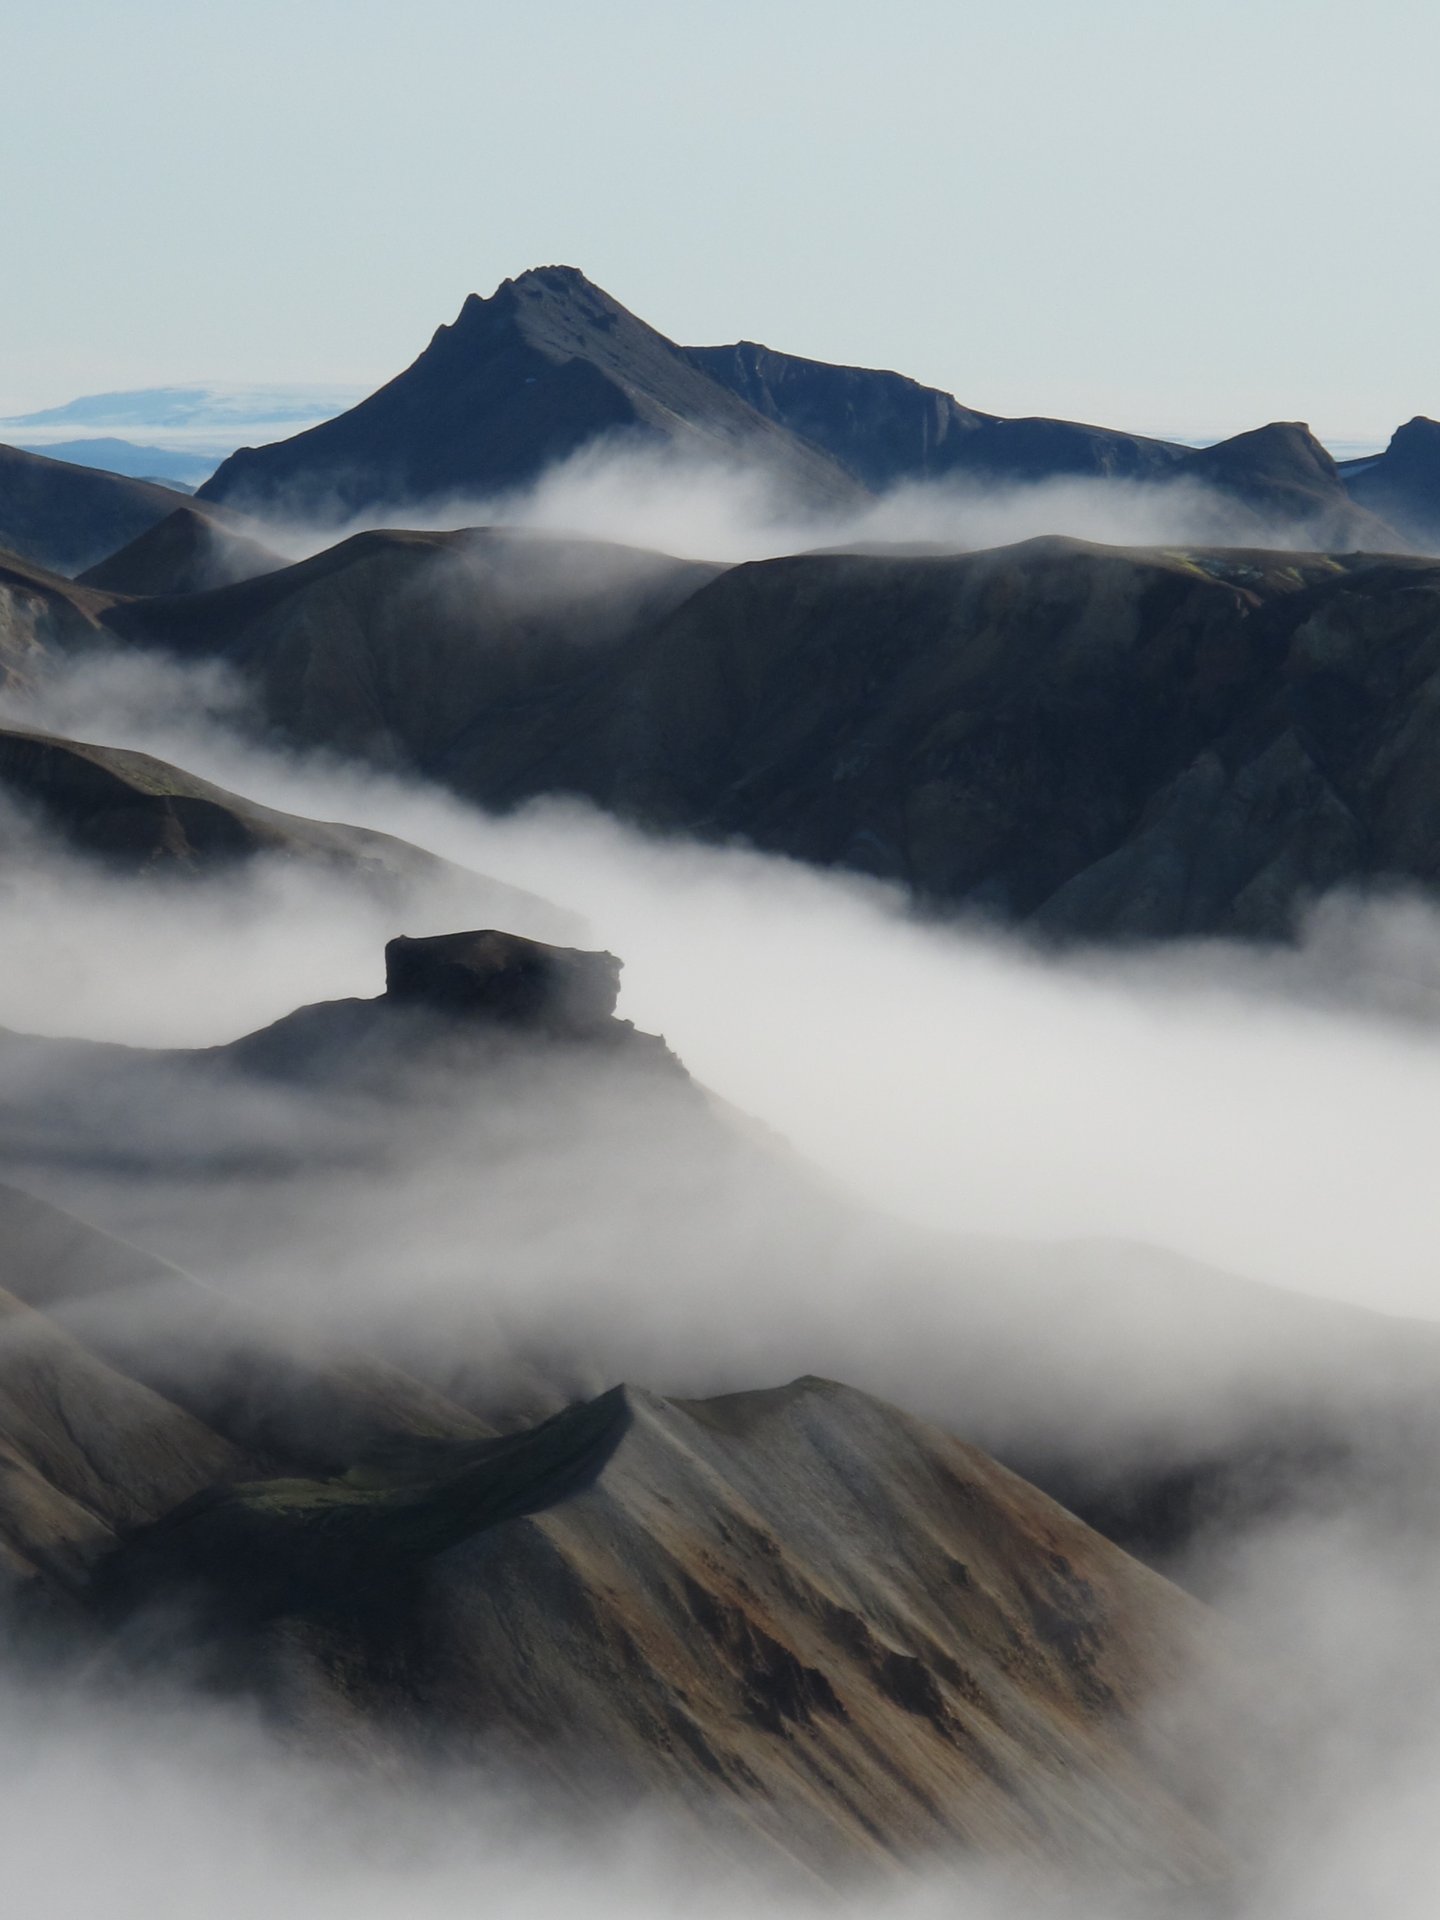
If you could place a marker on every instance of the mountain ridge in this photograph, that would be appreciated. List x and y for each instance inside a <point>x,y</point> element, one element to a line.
<point>551,364</point>
<point>1097,742</point>
<point>548,364</point>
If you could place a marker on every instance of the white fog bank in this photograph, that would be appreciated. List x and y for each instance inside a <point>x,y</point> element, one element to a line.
<point>1271,1114</point>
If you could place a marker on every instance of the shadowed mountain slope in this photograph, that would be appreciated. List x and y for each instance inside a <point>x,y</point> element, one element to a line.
<point>187,552</point>
<point>138,814</point>
<point>407,641</point>
<point>547,365</point>
<point>1101,742</point>
<point>804,1593</point>
<point>66,517</point>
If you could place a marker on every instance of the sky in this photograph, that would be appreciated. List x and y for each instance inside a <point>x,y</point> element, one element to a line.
<point>1177,219</point>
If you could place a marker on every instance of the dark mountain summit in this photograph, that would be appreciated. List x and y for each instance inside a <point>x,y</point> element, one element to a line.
<point>187,552</point>
<point>1288,479</point>
<point>551,364</point>
<point>544,367</point>
<point>1402,484</point>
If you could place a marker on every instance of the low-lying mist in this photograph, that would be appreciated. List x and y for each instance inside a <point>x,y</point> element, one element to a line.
<point>165,1804</point>
<point>642,496</point>
<point>945,1165</point>
<point>1262,1110</point>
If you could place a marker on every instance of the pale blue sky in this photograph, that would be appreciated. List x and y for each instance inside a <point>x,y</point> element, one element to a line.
<point>1175,218</point>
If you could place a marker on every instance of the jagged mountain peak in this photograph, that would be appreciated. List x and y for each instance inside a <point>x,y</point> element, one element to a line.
<point>550,288</point>
<point>548,365</point>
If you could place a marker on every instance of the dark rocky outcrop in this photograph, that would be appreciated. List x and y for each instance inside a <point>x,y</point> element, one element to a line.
<point>251,1550</point>
<point>498,976</point>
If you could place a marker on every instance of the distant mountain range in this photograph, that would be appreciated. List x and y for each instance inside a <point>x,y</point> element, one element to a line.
<point>175,435</point>
<point>1095,742</point>
<point>213,409</point>
<point>167,465</point>
<point>551,364</point>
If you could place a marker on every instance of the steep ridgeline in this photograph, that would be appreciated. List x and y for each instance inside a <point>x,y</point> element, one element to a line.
<point>551,364</point>
<point>1274,485</point>
<point>834,1634</point>
<point>882,427</point>
<point>546,366</point>
<point>1096,742</point>
<point>887,429</point>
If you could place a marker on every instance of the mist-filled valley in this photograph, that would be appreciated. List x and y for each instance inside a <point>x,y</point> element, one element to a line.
<point>716,1091</point>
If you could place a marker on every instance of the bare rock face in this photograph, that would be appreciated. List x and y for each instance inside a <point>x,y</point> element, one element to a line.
<point>501,976</point>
